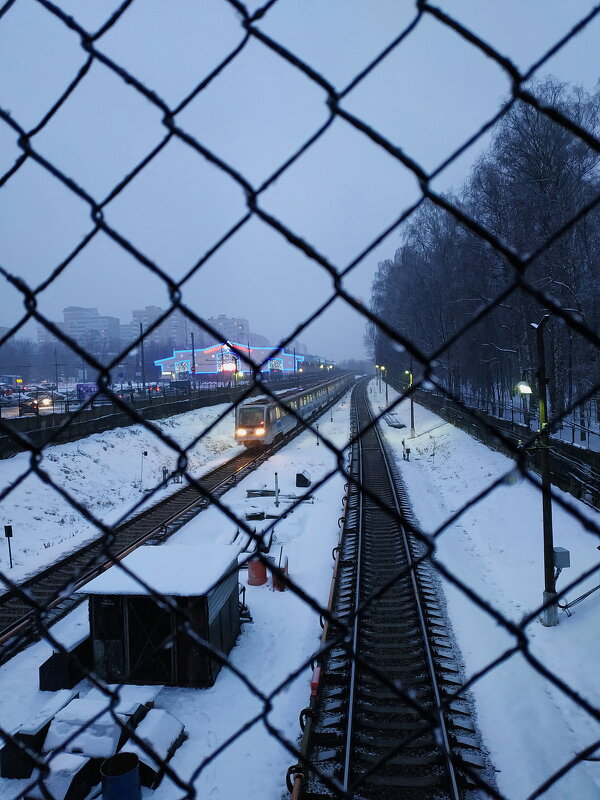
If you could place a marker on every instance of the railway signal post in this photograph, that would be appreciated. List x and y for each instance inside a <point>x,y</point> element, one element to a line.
<point>8,534</point>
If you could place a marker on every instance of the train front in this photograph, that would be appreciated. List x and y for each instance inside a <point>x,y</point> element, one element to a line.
<point>250,425</point>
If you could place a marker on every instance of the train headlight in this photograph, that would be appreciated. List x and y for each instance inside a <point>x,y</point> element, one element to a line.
<point>241,432</point>
<point>259,431</point>
<point>46,401</point>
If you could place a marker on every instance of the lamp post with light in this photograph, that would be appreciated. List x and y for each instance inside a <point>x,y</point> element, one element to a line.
<point>550,613</point>
<point>409,372</point>
<point>383,371</point>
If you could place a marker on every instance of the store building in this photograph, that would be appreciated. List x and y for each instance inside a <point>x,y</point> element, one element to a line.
<point>223,359</point>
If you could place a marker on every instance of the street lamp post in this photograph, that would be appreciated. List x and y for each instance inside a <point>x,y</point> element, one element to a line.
<point>142,358</point>
<point>550,614</point>
<point>409,372</point>
<point>193,370</point>
<point>384,371</point>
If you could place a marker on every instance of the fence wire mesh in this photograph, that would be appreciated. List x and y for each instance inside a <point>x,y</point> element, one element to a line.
<point>385,334</point>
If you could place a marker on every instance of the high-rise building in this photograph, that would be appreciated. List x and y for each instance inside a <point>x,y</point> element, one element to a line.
<point>173,332</point>
<point>96,333</point>
<point>232,329</point>
<point>256,340</point>
<point>45,337</point>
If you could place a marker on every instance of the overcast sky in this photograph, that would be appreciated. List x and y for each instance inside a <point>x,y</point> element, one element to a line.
<point>428,96</point>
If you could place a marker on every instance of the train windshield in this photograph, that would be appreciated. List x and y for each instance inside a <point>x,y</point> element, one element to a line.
<point>249,417</point>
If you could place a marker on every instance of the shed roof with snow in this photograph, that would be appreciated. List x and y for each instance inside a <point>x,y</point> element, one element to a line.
<point>138,639</point>
<point>171,570</point>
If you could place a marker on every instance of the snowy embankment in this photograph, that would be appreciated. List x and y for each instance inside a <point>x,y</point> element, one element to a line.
<point>105,472</point>
<point>530,726</point>
<point>281,639</point>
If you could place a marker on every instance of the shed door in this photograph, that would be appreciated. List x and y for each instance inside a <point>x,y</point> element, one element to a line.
<point>148,626</point>
<point>108,634</point>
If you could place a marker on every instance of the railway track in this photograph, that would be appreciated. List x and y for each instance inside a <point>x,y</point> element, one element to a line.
<point>383,722</point>
<point>40,601</point>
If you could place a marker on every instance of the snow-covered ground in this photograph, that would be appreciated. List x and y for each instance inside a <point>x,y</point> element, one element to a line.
<point>284,633</point>
<point>530,726</point>
<point>105,472</point>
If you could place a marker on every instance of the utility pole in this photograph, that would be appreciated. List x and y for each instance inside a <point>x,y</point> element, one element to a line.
<point>55,379</point>
<point>142,359</point>
<point>193,370</point>
<point>412,404</point>
<point>550,614</point>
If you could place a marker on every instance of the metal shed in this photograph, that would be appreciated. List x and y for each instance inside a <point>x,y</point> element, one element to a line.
<point>138,639</point>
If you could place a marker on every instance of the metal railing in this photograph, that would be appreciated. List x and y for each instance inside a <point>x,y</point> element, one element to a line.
<point>92,46</point>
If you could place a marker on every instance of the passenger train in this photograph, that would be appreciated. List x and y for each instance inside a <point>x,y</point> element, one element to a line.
<point>263,421</point>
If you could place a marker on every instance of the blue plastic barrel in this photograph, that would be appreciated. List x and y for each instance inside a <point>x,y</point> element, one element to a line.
<point>121,777</point>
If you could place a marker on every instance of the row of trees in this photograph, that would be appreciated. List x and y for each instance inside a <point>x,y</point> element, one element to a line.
<point>534,178</point>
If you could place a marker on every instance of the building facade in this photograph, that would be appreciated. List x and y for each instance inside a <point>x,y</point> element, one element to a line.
<point>222,360</point>
<point>88,328</point>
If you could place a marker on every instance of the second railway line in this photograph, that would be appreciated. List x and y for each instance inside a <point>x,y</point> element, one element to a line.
<point>385,718</point>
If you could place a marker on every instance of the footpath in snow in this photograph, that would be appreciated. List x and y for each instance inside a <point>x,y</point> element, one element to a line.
<point>530,726</point>
<point>285,632</point>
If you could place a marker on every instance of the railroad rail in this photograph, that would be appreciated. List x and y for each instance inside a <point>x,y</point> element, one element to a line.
<point>46,597</point>
<point>385,719</point>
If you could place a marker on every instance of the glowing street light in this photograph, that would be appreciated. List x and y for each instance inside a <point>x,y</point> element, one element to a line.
<point>550,614</point>
<point>412,405</point>
<point>524,388</point>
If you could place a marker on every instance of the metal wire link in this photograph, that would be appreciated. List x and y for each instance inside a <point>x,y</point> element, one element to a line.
<point>252,30</point>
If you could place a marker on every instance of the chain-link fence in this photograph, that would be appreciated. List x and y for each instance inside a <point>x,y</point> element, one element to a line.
<point>176,623</point>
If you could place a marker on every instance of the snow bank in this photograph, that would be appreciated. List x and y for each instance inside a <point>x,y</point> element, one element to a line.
<point>530,726</point>
<point>284,634</point>
<point>105,472</point>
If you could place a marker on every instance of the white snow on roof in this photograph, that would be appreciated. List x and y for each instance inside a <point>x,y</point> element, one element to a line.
<point>172,570</point>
